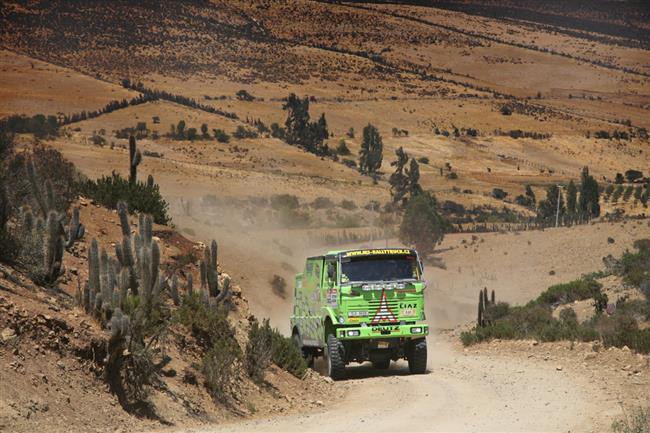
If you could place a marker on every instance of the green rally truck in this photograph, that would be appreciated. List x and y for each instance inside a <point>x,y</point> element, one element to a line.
<point>361,305</point>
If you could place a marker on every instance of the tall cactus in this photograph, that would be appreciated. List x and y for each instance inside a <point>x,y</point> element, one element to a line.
<point>124,250</point>
<point>75,231</point>
<point>209,274</point>
<point>479,321</point>
<point>135,157</point>
<point>54,247</point>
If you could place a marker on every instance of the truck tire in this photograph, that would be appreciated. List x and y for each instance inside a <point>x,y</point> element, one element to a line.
<point>335,355</point>
<point>417,356</point>
<point>381,364</point>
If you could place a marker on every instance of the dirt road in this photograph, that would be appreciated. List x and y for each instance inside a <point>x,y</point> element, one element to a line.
<point>461,392</point>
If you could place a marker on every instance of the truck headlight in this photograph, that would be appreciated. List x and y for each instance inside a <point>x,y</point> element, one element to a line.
<point>341,320</point>
<point>416,330</point>
<point>354,333</point>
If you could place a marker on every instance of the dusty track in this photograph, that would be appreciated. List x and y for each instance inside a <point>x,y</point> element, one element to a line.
<point>460,392</point>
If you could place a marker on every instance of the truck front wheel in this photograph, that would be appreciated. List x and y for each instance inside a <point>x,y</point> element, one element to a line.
<point>417,356</point>
<point>335,355</point>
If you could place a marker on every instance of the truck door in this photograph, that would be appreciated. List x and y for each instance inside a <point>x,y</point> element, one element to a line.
<point>311,287</point>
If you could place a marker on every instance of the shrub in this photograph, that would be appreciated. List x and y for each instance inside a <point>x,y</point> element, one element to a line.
<point>635,267</point>
<point>576,290</point>
<point>219,369</point>
<point>499,194</point>
<point>348,205</point>
<point>287,201</point>
<point>139,196</point>
<point>52,167</point>
<point>322,203</point>
<point>287,355</point>
<point>259,350</point>
<point>221,136</point>
<point>506,110</point>
<point>423,160</point>
<point>242,132</point>
<point>637,422</point>
<point>243,95</point>
<point>342,148</point>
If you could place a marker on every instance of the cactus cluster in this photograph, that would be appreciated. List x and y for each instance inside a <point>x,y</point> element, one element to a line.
<point>135,271</point>
<point>104,291</point>
<point>483,304</point>
<point>49,227</point>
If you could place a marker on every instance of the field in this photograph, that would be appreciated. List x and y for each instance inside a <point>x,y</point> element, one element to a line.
<point>485,95</point>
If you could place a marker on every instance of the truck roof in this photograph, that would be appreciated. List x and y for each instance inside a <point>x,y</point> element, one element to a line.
<point>371,251</point>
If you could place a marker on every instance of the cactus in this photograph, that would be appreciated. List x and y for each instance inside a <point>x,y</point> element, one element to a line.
<point>135,157</point>
<point>75,231</point>
<point>225,293</point>
<point>150,181</point>
<point>492,298</point>
<point>209,274</point>
<point>120,324</point>
<point>479,321</point>
<point>124,251</point>
<point>173,291</point>
<point>190,283</point>
<point>45,202</point>
<point>54,247</point>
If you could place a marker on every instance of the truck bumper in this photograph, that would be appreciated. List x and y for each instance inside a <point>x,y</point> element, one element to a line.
<point>372,332</point>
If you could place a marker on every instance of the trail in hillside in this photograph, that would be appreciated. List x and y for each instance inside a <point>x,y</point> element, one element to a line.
<point>461,393</point>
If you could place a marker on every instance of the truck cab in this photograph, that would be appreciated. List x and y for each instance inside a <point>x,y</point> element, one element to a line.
<point>361,305</point>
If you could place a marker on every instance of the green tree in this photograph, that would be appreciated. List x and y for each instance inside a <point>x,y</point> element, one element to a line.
<point>180,130</point>
<point>571,198</point>
<point>371,153</point>
<point>300,131</point>
<point>548,208</point>
<point>589,195</point>
<point>413,178</point>
<point>192,134</point>
<point>398,180</point>
<point>204,130</point>
<point>422,226</point>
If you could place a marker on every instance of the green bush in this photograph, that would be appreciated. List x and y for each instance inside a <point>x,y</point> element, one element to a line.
<point>139,196</point>
<point>284,201</point>
<point>219,369</point>
<point>287,356</point>
<point>259,350</point>
<point>221,136</point>
<point>322,203</point>
<point>243,132</point>
<point>576,290</point>
<point>635,267</point>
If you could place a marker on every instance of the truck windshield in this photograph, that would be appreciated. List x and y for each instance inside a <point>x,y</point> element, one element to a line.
<point>379,268</point>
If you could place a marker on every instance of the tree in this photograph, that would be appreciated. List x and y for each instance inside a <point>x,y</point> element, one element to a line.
<point>413,178</point>
<point>297,119</point>
<point>342,148</point>
<point>548,208</point>
<point>619,179</point>
<point>530,194</point>
<point>589,195</point>
<point>191,134</point>
<point>371,153</point>
<point>632,175</point>
<point>571,198</point>
<point>398,180</point>
<point>204,131</point>
<point>422,226</point>
<point>180,130</point>
<point>300,131</point>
